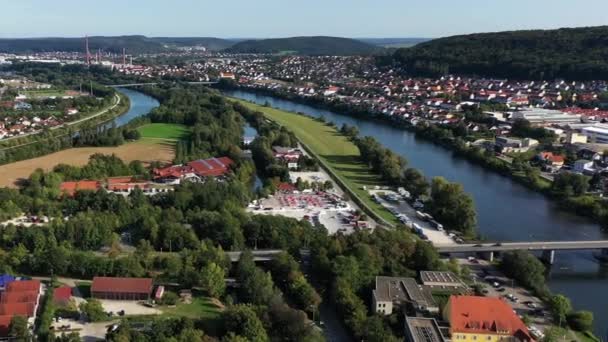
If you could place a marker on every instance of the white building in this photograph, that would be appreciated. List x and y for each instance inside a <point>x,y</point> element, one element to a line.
<point>595,134</point>
<point>545,116</point>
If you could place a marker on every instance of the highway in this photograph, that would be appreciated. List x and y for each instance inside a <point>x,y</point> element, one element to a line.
<point>531,246</point>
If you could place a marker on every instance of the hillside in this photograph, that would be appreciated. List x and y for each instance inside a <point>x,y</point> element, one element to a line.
<point>210,43</point>
<point>306,46</point>
<point>575,54</point>
<point>394,42</point>
<point>134,44</point>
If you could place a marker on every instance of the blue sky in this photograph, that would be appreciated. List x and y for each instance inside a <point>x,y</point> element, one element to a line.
<point>284,18</point>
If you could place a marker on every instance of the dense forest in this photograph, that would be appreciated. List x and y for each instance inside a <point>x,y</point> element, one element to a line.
<point>332,46</point>
<point>571,53</point>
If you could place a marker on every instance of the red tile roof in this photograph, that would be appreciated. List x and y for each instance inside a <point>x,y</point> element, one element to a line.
<point>23,285</point>
<point>119,180</point>
<point>62,294</point>
<point>71,187</point>
<point>19,296</point>
<point>122,285</point>
<point>212,167</point>
<point>22,309</point>
<point>487,315</point>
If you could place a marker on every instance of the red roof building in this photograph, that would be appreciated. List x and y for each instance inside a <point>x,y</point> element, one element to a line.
<point>20,309</point>
<point>70,188</point>
<point>121,288</point>
<point>484,316</point>
<point>62,294</point>
<point>212,167</point>
<point>19,297</point>
<point>23,285</point>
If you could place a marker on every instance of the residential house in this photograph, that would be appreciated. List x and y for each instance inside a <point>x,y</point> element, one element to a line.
<point>552,160</point>
<point>288,155</point>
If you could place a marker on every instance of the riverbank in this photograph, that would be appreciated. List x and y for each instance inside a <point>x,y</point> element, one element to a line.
<point>506,210</point>
<point>584,205</point>
<point>336,154</point>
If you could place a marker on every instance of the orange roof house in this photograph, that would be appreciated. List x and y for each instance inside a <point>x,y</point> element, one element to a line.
<point>480,318</point>
<point>553,159</point>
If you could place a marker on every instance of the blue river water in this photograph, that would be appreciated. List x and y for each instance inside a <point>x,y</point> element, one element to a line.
<point>506,211</point>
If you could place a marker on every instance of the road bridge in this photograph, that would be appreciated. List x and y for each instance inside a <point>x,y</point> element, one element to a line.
<point>260,255</point>
<point>547,248</point>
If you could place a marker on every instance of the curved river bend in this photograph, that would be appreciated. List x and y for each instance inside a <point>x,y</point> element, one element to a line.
<point>140,105</point>
<point>506,211</point>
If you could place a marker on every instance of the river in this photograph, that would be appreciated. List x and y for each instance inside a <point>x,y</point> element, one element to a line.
<point>506,211</point>
<point>140,105</point>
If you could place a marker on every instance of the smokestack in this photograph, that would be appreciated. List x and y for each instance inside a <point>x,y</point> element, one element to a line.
<point>124,57</point>
<point>86,42</point>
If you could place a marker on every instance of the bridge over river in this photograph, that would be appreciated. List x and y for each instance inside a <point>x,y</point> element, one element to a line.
<point>547,248</point>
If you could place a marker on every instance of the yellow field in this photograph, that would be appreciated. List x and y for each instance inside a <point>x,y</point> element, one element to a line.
<point>144,150</point>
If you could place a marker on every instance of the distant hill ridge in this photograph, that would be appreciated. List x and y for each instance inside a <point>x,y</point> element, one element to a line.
<point>314,45</point>
<point>135,44</point>
<point>571,53</point>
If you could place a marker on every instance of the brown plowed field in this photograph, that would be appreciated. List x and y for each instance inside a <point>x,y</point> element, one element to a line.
<point>146,150</point>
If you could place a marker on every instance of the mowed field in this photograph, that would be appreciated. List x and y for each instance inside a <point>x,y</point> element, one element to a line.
<point>146,150</point>
<point>336,150</point>
<point>164,131</point>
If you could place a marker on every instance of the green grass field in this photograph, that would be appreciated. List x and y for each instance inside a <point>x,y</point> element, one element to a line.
<point>164,131</point>
<point>201,307</point>
<point>340,154</point>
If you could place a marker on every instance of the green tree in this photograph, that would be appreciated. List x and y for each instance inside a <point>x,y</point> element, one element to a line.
<point>212,280</point>
<point>243,321</point>
<point>93,310</point>
<point>560,308</point>
<point>581,320</point>
<point>452,206</point>
<point>19,329</point>
<point>524,267</point>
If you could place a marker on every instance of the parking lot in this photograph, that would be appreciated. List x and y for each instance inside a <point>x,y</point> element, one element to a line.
<point>402,207</point>
<point>325,207</point>
<point>496,284</point>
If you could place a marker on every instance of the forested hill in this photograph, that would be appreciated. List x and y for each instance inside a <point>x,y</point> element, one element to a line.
<point>306,46</point>
<point>574,54</point>
<point>133,44</point>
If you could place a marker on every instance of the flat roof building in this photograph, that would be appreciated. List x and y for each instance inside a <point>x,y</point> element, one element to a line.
<point>436,279</point>
<point>393,292</point>
<point>419,329</point>
<point>545,116</point>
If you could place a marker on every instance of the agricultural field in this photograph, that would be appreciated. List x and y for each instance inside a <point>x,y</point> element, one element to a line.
<point>46,93</point>
<point>164,131</point>
<point>146,150</point>
<point>340,154</point>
